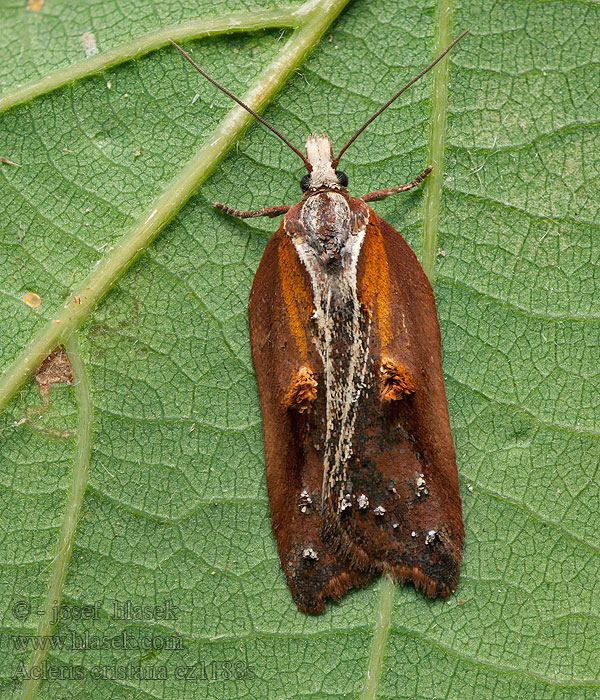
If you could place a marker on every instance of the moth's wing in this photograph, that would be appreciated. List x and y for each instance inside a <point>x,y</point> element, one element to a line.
<point>404,459</point>
<point>279,311</point>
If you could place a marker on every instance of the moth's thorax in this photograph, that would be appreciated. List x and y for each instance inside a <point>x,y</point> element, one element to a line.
<point>327,224</point>
<point>320,155</point>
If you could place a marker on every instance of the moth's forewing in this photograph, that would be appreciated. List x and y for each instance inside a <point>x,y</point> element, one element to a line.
<point>279,313</point>
<point>406,461</point>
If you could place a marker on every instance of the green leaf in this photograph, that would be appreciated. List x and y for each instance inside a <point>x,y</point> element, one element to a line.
<point>142,483</point>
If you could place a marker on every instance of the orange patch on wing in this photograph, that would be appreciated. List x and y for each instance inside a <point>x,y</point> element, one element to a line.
<point>376,282</point>
<point>297,298</point>
<point>396,381</point>
<point>303,391</point>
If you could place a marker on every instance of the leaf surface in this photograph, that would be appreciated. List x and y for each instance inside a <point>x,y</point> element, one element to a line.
<point>154,464</point>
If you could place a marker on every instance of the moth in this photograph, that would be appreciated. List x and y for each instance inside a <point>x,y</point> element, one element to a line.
<point>360,463</point>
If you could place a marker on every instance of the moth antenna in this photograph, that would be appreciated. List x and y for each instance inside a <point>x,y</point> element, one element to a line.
<point>395,97</point>
<point>241,104</point>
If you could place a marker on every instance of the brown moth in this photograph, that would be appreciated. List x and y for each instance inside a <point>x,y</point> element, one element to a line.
<point>360,462</point>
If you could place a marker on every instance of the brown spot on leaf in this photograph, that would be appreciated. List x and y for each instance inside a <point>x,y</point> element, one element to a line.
<point>55,369</point>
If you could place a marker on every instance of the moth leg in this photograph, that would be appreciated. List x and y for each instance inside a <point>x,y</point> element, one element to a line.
<point>302,392</point>
<point>395,381</point>
<point>266,211</point>
<point>382,194</point>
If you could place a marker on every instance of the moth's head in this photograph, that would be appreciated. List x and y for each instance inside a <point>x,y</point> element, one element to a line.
<point>322,174</point>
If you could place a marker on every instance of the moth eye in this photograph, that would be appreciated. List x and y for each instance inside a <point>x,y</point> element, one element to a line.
<point>305,183</point>
<point>342,178</point>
